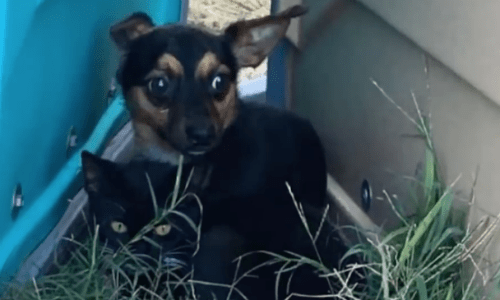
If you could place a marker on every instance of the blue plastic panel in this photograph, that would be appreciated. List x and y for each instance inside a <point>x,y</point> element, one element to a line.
<point>56,66</point>
<point>277,80</point>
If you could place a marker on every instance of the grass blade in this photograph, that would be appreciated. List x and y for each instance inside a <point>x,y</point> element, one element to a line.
<point>421,288</point>
<point>428,241</point>
<point>445,213</point>
<point>423,226</point>
<point>449,296</point>
<point>429,179</point>
<point>153,196</point>
<point>178,181</point>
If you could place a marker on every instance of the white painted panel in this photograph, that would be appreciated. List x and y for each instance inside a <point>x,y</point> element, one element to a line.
<point>463,34</point>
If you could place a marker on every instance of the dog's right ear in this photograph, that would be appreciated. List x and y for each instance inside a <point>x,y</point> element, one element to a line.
<point>130,28</point>
<point>253,40</point>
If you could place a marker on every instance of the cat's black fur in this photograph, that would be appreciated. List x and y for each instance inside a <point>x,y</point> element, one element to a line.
<point>120,192</point>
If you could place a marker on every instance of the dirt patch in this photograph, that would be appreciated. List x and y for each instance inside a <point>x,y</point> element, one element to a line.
<point>217,14</point>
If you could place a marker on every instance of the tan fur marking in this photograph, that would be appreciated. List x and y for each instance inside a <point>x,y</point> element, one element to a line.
<point>146,137</point>
<point>170,63</point>
<point>146,118</point>
<point>224,69</point>
<point>207,64</point>
<point>142,110</point>
<point>149,144</point>
<point>226,110</point>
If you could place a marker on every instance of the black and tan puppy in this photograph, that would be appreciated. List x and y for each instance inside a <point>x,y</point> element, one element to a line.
<point>180,87</point>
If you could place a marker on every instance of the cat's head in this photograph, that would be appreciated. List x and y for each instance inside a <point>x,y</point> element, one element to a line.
<point>121,201</point>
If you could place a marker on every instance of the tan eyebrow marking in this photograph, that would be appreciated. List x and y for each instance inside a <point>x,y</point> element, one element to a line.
<point>168,62</point>
<point>207,64</point>
<point>224,69</point>
<point>142,110</point>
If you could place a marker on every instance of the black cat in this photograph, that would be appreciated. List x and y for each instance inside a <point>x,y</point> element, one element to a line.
<point>121,200</point>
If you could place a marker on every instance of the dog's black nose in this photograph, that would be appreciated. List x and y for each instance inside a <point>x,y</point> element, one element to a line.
<point>200,135</point>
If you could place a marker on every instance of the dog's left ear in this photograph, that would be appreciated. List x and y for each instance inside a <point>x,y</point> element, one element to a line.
<point>130,28</point>
<point>253,40</point>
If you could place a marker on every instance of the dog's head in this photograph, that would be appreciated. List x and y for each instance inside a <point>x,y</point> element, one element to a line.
<point>179,82</point>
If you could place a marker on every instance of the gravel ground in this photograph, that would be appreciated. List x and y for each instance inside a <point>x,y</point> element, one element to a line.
<point>217,14</point>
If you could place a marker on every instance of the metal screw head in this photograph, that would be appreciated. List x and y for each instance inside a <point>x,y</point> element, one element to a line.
<point>71,140</point>
<point>17,196</point>
<point>111,90</point>
<point>17,200</point>
<point>366,195</point>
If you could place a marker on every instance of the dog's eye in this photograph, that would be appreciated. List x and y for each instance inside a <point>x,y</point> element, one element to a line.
<point>219,83</point>
<point>118,227</point>
<point>158,86</point>
<point>163,230</point>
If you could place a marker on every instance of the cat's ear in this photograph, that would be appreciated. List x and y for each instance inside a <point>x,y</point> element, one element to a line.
<point>93,171</point>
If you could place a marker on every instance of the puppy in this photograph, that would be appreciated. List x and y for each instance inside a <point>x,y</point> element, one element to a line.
<point>179,83</point>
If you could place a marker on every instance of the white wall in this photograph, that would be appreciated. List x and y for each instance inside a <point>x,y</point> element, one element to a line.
<point>463,34</point>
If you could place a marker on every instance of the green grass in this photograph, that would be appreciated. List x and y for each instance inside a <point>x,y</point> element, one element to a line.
<point>93,272</point>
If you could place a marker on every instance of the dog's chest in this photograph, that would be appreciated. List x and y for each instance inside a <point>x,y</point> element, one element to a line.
<point>248,161</point>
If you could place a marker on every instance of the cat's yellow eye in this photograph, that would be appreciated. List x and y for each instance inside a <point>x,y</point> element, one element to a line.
<point>118,227</point>
<point>163,230</point>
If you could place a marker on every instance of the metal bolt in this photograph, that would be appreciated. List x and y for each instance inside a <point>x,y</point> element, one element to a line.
<point>111,90</point>
<point>366,195</point>
<point>71,141</point>
<point>17,201</point>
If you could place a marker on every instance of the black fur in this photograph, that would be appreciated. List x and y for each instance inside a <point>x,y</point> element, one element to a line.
<point>264,148</point>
